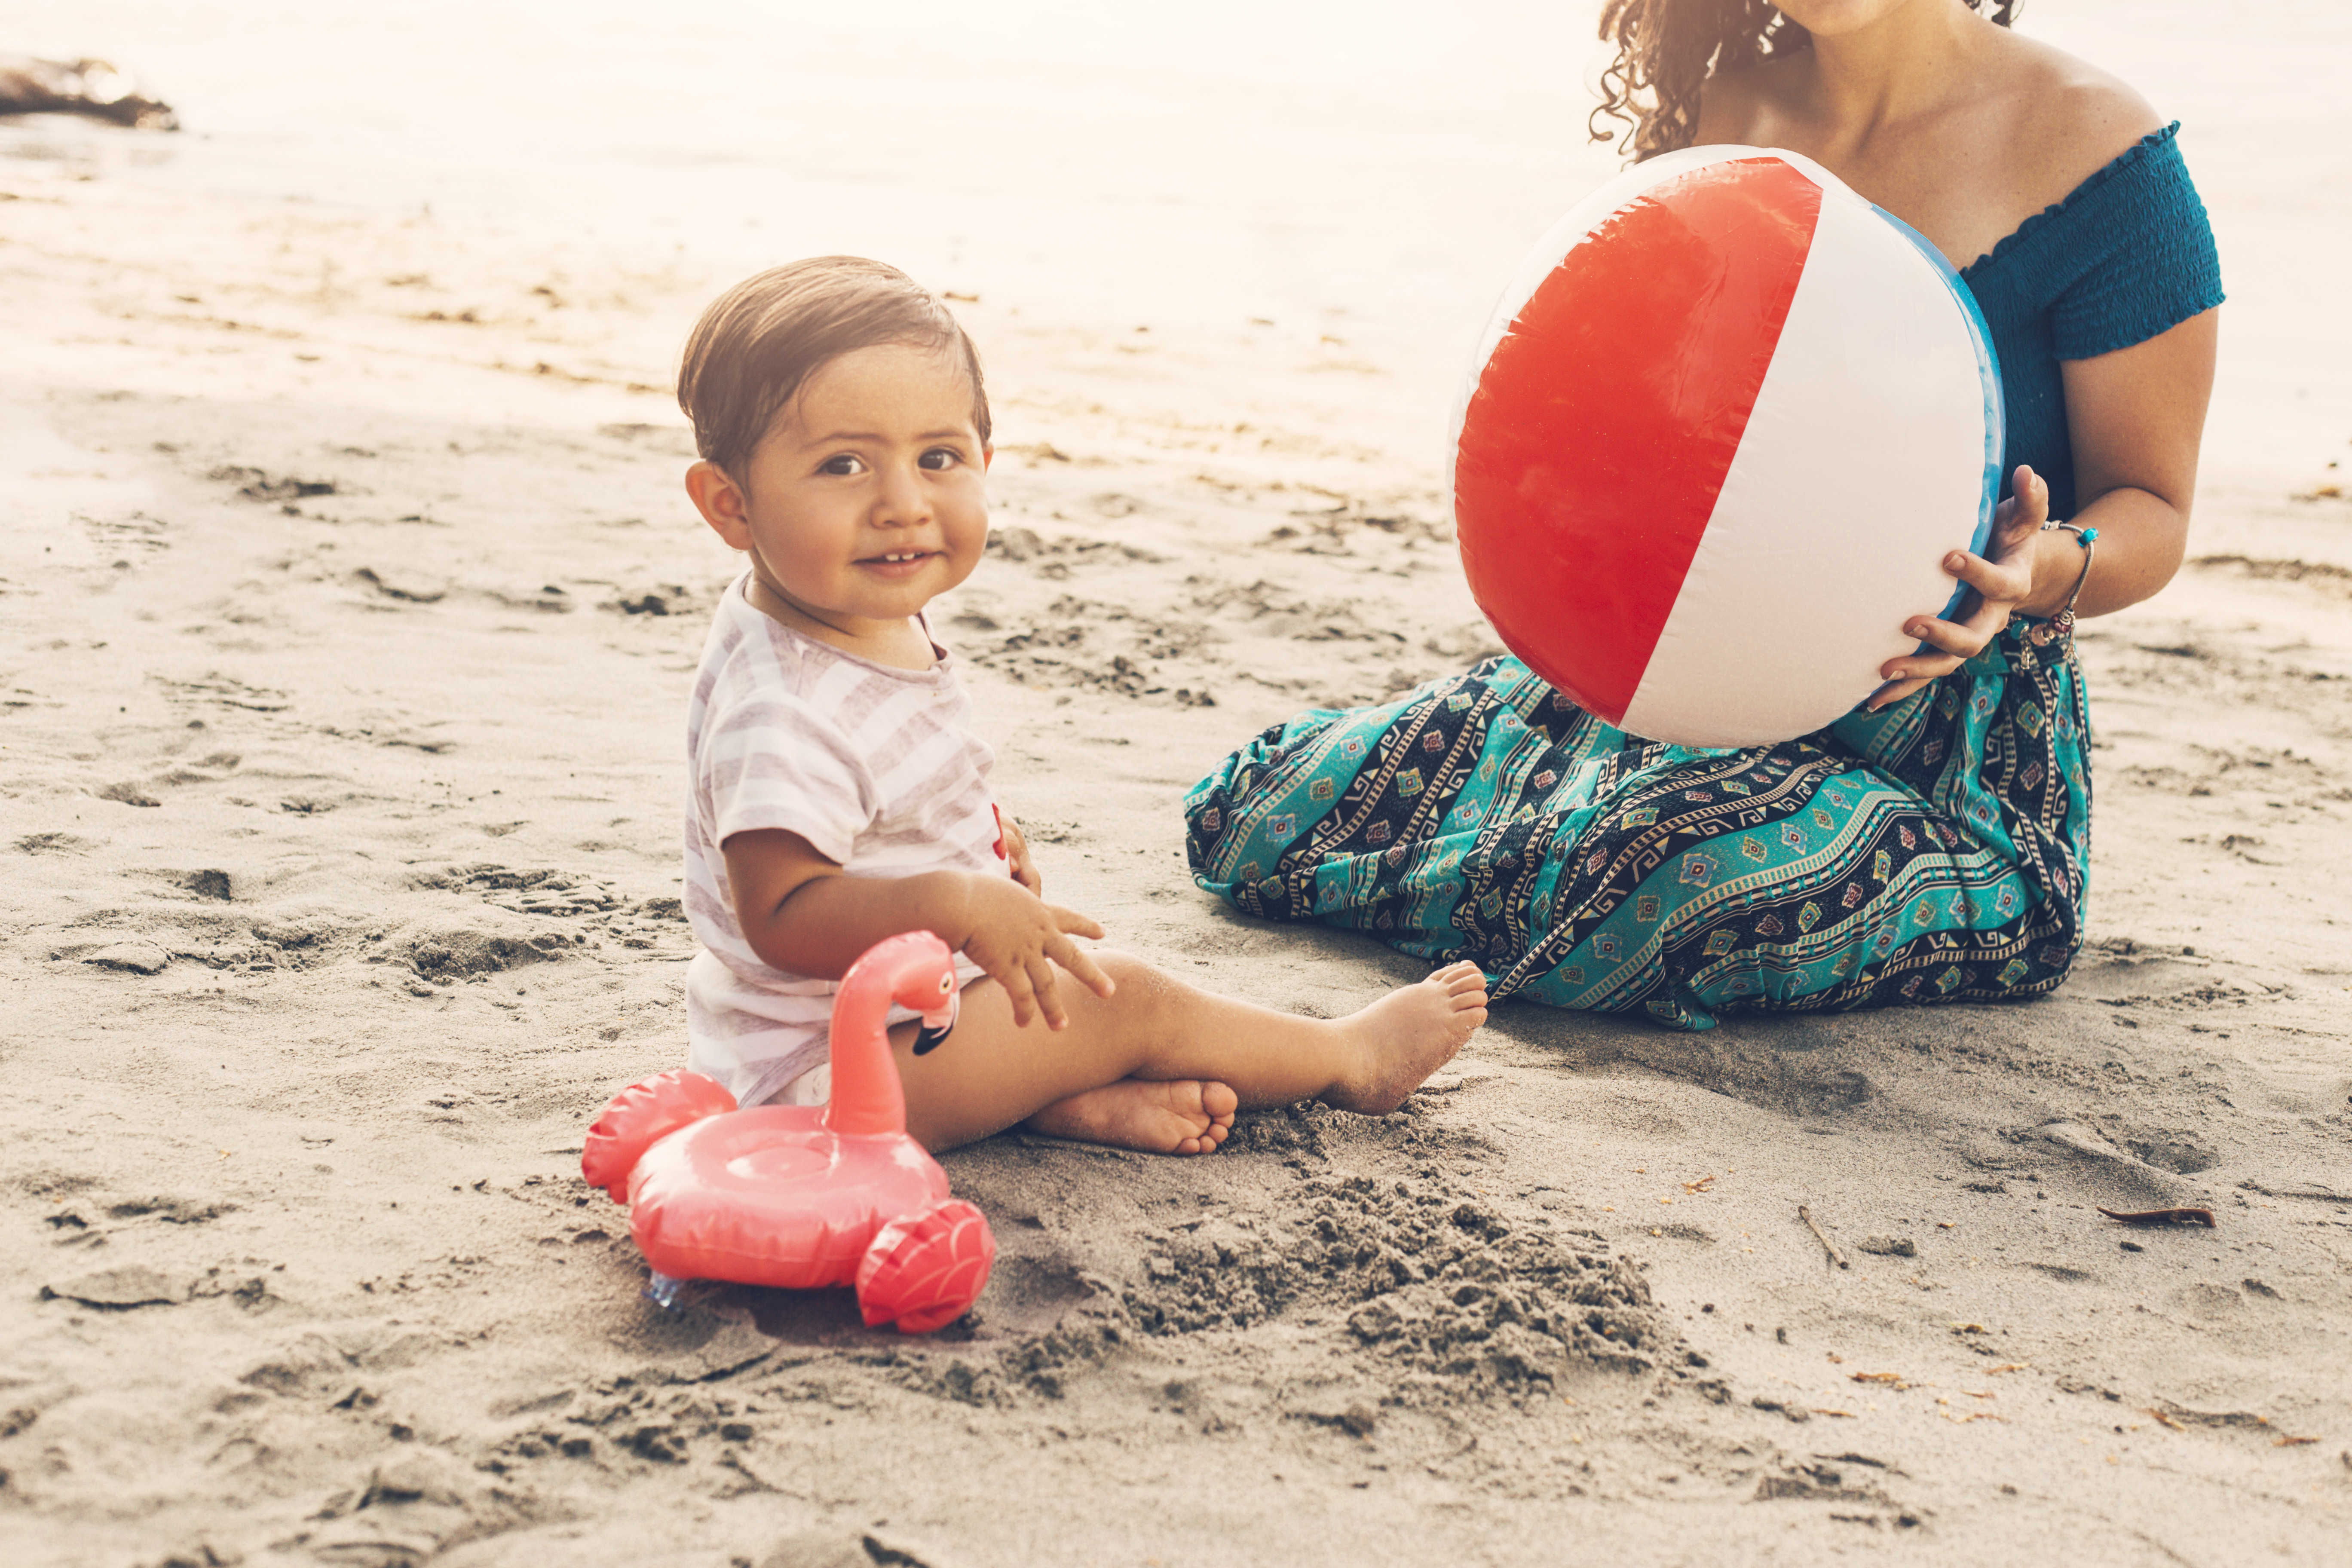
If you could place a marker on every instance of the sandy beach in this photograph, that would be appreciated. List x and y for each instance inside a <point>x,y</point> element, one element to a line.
<point>348,597</point>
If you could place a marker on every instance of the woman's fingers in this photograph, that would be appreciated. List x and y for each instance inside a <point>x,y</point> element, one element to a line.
<point>1920,666</point>
<point>2027,508</point>
<point>2008,579</point>
<point>2031,495</point>
<point>1996,586</point>
<point>1967,636</point>
<point>1960,639</point>
<point>1955,643</point>
<point>1893,692</point>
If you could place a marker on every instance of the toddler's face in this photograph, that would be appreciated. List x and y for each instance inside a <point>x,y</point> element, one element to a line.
<point>867,501</point>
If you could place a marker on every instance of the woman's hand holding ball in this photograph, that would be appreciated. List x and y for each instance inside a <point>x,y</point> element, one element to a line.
<point>1998,587</point>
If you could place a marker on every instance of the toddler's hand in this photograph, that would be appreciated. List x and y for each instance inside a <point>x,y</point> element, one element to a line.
<point>1019,940</point>
<point>1016,853</point>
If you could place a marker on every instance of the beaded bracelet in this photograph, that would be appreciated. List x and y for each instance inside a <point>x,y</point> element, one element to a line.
<point>2063,622</point>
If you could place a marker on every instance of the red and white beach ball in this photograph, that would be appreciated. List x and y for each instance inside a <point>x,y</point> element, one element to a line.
<point>1719,435</point>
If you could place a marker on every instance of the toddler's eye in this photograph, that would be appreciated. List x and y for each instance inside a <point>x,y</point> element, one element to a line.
<point>845,464</point>
<point>940,457</point>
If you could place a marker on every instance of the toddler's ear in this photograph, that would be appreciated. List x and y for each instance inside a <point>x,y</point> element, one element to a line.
<point>721,502</point>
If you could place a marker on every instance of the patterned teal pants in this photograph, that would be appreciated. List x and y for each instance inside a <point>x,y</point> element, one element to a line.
<point>1935,851</point>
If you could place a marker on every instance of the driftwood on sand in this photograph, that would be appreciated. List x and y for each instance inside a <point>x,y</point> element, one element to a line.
<point>28,85</point>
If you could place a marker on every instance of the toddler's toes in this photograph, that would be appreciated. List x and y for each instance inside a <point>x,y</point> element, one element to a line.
<point>1461,979</point>
<point>1183,1117</point>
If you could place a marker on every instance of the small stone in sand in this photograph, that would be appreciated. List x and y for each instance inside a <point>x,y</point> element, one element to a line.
<point>131,957</point>
<point>116,1290</point>
<point>825,1548</point>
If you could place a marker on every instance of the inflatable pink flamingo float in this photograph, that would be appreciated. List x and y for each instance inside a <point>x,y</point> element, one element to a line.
<point>798,1196</point>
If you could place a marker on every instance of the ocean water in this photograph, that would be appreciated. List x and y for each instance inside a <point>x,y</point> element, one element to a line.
<point>1375,167</point>
<point>1236,158</point>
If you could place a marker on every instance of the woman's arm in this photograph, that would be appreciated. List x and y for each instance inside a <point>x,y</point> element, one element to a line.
<point>2135,419</point>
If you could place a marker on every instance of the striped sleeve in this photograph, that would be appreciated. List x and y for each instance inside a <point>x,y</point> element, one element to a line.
<point>772,759</point>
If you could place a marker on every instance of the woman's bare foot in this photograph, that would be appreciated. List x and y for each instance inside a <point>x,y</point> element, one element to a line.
<point>1185,1117</point>
<point>1406,1036</point>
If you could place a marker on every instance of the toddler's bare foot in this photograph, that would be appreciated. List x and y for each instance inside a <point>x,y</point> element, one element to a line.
<point>1406,1036</point>
<point>1183,1117</point>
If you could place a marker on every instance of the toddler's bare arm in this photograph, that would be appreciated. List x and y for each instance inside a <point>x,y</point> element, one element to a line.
<point>800,913</point>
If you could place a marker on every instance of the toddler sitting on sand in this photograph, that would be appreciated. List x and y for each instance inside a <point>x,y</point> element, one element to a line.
<point>839,795</point>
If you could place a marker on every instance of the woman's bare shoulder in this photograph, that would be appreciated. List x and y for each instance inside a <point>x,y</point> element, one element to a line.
<point>2070,117</point>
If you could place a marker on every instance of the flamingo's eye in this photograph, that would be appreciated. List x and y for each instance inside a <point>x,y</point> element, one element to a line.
<point>947,984</point>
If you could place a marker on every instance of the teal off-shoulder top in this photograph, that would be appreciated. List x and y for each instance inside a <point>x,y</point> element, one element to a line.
<point>2127,255</point>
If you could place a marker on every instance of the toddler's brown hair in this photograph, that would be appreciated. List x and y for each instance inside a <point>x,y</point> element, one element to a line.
<point>758,343</point>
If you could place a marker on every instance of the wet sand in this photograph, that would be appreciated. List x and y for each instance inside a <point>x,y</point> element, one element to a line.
<point>350,598</point>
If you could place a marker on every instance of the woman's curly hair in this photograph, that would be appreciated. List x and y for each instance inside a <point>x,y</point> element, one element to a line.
<point>1667,48</point>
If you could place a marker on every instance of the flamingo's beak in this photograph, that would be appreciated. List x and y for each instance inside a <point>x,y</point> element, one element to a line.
<point>937,1022</point>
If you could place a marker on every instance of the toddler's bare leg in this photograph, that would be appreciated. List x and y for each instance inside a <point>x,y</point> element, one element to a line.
<point>992,1074</point>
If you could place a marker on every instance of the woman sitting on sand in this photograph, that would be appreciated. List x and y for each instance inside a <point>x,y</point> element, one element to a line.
<point>1934,845</point>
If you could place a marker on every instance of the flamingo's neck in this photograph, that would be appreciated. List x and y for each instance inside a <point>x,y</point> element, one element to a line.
<point>865,1093</point>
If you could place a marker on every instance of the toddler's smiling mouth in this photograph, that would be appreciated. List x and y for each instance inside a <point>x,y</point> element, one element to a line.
<point>897,562</point>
